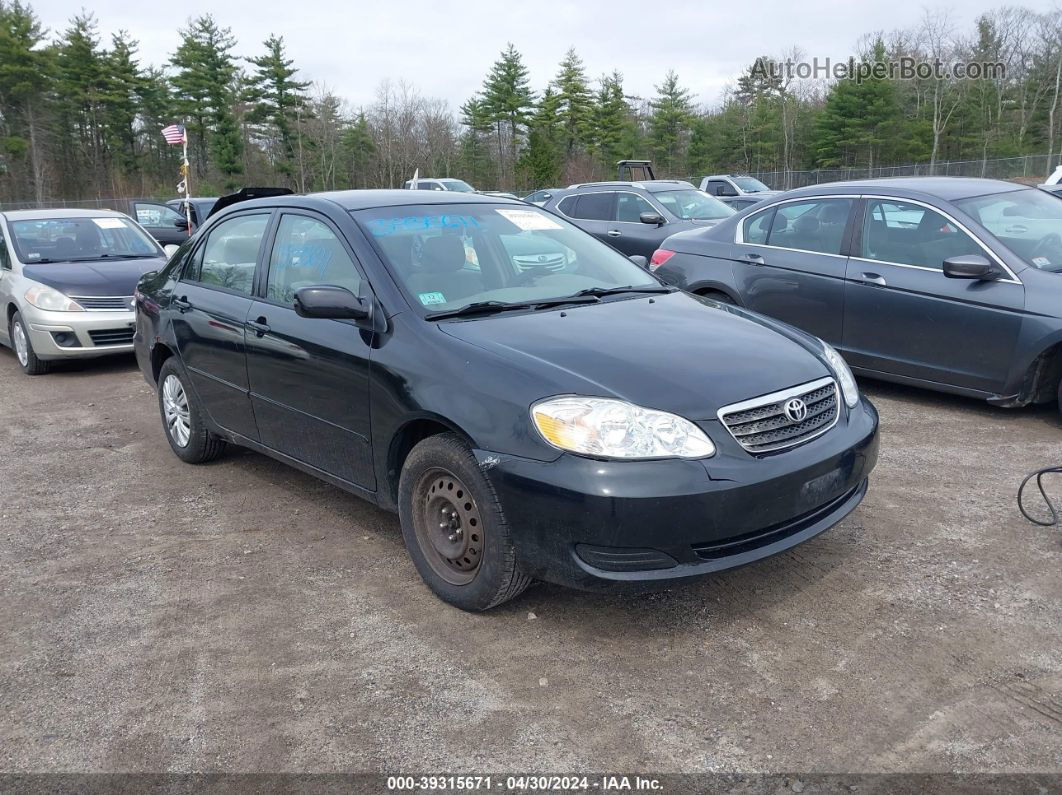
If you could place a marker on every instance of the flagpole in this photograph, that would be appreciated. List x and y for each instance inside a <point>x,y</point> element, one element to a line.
<point>187,184</point>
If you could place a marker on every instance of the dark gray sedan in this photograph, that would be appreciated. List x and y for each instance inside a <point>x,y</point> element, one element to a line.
<point>947,283</point>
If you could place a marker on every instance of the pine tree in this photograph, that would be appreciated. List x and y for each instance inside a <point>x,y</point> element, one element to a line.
<point>476,118</point>
<point>120,101</point>
<point>672,113</point>
<point>358,147</point>
<point>611,121</point>
<point>81,88</point>
<point>540,164</point>
<point>574,102</point>
<point>206,95</point>
<point>279,100</point>
<point>508,99</point>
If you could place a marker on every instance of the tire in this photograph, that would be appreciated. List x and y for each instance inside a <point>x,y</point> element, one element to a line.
<point>715,295</point>
<point>23,348</point>
<point>471,563</point>
<point>182,419</point>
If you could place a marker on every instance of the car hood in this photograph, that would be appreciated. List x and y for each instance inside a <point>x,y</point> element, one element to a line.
<point>117,277</point>
<point>676,353</point>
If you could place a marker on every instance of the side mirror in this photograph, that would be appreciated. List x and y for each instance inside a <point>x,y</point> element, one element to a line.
<point>170,249</point>
<point>639,260</point>
<point>181,223</point>
<point>652,218</point>
<point>970,266</point>
<point>326,301</point>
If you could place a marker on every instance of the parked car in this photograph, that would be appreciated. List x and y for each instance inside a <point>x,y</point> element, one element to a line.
<point>456,185</point>
<point>635,217</point>
<point>200,209</point>
<point>540,197</point>
<point>524,426</point>
<point>66,283</point>
<point>735,186</point>
<point>948,283</point>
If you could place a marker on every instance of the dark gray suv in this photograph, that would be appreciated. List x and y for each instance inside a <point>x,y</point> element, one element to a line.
<point>947,283</point>
<point>635,217</point>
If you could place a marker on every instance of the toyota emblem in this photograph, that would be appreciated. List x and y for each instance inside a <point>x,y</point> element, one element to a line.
<point>795,410</point>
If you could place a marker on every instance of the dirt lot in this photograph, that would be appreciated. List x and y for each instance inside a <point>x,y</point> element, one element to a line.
<point>242,616</point>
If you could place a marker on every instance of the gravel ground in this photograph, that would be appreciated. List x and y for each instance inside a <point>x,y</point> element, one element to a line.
<point>242,616</point>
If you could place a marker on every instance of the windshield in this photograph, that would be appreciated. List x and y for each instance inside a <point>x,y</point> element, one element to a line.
<point>692,204</point>
<point>457,185</point>
<point>80,240</point>
<point>750,184</point>
<point>1028,222</point>
<point>449,256</point>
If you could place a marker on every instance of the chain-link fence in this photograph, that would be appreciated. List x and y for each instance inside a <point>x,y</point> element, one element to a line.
<point>1032,169</point>
<point>78,204</point>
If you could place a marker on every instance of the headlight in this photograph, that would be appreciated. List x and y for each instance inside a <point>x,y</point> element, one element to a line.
<point>52,300</point>
<point>616,429</point>
<point>844,376</point>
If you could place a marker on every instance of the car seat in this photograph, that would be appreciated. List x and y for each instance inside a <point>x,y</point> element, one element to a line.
<point>442,270</point>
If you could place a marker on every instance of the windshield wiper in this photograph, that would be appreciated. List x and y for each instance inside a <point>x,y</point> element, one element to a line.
<point>479,308</point>
<point>109,256</point>
<point>648,288</point>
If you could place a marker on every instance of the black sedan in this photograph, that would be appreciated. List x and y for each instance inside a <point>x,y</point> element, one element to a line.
<point>585,425</point>
<point>948,283</point>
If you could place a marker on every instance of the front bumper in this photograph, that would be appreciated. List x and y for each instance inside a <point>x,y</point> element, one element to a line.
<point>82,334</point>
<point>601,525</point>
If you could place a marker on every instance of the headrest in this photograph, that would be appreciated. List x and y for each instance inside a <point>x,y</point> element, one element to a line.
<point>442,254</point>
<point>780,223</point>
<point>834,214</point>
<point>806,223</point>
<point>241,250</point>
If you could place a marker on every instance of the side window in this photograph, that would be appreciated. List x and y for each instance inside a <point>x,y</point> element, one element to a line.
<point>757,226</point>
<point>910,234</point>
<point>567,206</point>
<point>594,207</point>
<point>307,252</point>
<point>5,258</point>
<point>814,225</point>
<point>714,188</point>
<point>630,206</point>
<point>155,215</point>
<point>227,258</point>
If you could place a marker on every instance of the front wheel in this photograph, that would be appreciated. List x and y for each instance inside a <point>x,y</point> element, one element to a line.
<point>20,342</point>
<point>454,526</point>
<point>718,296</point>
<point>182,419</point>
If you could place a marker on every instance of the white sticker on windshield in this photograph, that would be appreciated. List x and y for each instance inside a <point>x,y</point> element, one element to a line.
<point>109,223</point>
<point>1041,262</point>
<point>529,220</point>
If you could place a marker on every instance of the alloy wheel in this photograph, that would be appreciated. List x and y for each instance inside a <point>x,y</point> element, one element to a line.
<point>21,343</point>
<point>448,526</point>
<point>175,410</point>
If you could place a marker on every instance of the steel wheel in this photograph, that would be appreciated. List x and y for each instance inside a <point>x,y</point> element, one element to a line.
<point>18,335</point>
<point>448,526</point>
<point>175,408</point>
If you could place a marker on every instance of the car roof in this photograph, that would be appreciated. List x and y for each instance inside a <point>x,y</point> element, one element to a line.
<point>650,185</point>
<point>60,212</point>
<point>946,188</point>
<point>369,199</point>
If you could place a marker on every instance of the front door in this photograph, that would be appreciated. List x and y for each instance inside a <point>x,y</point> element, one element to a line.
<point>904,317</point>
<point>208,312</point>
<point>627,233</point>
<point>162,222</point>
<point>790,264</point>
<point>309,377</point>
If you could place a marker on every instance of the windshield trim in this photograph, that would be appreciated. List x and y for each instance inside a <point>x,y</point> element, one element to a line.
<point>11,222</point>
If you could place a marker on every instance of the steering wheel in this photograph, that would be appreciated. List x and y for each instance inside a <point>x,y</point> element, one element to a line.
<point>1050,243</point>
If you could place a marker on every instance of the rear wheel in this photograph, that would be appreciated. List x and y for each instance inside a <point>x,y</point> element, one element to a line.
<point>182,419</point>
<point>454,527</point>
<point>20,342</point>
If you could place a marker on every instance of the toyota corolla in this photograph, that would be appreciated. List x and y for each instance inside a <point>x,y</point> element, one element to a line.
<point>580,423</point>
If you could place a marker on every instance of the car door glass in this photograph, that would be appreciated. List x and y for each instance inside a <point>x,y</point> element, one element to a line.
<point>910,234</point>
<point>630,206</point>
<point>815,225</point>
<point>5,258</point>
<point>307,252</point>
<point>757,226</point>
<point>156,215</point>
<point>594,207</point>
<point>227,258</point>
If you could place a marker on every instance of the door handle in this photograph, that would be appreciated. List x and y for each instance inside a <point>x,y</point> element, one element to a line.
<point>182,304</point>
<point>1017,229</point>
<point>614,233</point>
<point>753,259</point>
<point>872,278</point>
<point>259,327</point>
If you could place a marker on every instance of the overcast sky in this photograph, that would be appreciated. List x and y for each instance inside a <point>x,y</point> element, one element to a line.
<point>446,49</point>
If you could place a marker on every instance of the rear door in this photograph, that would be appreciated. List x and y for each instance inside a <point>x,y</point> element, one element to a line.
<point>309,377</point>
<point>592,212</point>
<point>208,311</point>
<point>789,263</point>
<point>627,233</point>
<point>904,317</point>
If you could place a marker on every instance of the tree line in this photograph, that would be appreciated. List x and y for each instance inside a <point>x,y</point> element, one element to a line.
<point>81,117</point>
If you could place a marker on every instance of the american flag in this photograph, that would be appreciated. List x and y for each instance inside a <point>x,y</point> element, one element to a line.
<point>174,134</point>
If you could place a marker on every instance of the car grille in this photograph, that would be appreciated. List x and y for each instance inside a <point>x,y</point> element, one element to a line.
<point>761,425</point>
<point>112,336</point>
<point>122,302</point>
<point>547,262</point>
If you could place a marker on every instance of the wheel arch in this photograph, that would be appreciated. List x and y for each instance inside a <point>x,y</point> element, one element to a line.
<point>412,431</point>
<point>707,287</point>
<point>1044,373</point>
<point>160,352</point>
